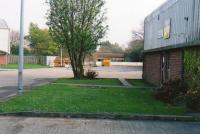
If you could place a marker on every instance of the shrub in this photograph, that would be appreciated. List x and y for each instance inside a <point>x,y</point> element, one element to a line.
<point>192,78</point>
<point>192,68</point>
<point>172,92</point>
<point>192,99</point>
<point>90,74</point>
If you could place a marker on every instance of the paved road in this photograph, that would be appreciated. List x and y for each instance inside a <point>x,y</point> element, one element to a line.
<point>14,125</point>
<point>33,77</point>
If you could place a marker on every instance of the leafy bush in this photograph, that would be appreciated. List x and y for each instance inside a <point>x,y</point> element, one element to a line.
<point>90,74</point>
<point>172,92</point>
<point>192,68</point>
<point>192,99</point>
<point>192,78</point>
<point>15,50</point>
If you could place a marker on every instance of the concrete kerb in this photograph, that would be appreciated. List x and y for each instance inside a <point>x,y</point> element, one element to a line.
<point>7,69</point>
<point>102,86</point>
<point>124,82</point>
<point>107,116</point>
<point>91,86</point>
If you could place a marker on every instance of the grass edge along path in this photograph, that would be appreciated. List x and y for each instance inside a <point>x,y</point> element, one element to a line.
<point>104,82</point>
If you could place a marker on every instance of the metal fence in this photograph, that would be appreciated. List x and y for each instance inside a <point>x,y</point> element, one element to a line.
<point>13,59</point>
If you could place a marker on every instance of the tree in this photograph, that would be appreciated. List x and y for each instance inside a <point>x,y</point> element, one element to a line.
<point>138,34</point>
<point>14,43</point>
<point>41,42</point>
<point>14,38</point>
<point>15,50</point>
<point>112,48</point>
<point>135,55</point>
<point>78,25</point>
<point>134,52</point>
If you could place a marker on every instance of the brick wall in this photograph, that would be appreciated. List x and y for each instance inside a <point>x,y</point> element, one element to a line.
<point>3,59</point>
<point>152,68</point>
<point>176,64</point>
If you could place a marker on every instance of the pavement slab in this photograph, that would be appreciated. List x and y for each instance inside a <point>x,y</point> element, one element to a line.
<point>21,125</point>
<point>125,83</point>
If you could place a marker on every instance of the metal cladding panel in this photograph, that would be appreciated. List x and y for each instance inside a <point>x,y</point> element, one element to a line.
<point>183,24</point>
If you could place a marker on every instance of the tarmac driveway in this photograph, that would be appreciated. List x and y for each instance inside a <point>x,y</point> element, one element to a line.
<point>34,77</point>
<point>31,76</point>
<point>17,125</point>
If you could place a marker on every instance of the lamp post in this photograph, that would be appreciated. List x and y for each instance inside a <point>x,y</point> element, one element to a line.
<point>21,50</point>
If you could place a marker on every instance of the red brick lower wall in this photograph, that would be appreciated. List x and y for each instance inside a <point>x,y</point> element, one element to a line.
<point>152,66</point>
<point>3,59</point>
<point>176,64</point>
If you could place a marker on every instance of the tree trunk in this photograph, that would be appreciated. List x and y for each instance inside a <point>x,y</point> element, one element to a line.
<point>78,69</point>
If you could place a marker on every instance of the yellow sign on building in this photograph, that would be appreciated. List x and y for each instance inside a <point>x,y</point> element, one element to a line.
<point>167,29</point>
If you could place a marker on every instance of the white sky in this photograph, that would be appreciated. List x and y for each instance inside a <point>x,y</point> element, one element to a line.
<point>123,15</point>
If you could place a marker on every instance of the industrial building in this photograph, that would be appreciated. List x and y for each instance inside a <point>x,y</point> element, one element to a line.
<point>4,42</point>
<point>169,31</point>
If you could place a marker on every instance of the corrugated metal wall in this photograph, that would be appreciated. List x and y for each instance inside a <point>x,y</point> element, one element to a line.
<point>185,23</point>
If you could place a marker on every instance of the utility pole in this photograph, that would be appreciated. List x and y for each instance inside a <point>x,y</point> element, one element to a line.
<point>21,50</point>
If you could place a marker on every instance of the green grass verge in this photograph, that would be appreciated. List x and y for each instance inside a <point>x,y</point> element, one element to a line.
<point>91,82</point>
<point>139,83</point>
<point>26,66</point>
<point>59,98</point>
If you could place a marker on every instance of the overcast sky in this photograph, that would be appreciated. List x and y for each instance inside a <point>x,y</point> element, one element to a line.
<point>123,15</point>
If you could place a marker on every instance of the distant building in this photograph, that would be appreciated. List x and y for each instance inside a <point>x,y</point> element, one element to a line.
<point>4,41</point>
<point>169,31</point>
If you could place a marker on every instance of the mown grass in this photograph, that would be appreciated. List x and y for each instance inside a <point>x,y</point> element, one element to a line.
<point>26,66</point>
<point>59,98</point>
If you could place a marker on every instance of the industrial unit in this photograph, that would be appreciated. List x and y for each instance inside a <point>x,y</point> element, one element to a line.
<point>4,42</point>
<point>169,31</point>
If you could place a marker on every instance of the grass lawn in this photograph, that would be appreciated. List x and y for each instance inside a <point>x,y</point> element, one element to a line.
<point>26,66</point>
<point>59,98</point>
<point>91,82</point>
<point>139,83</point>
